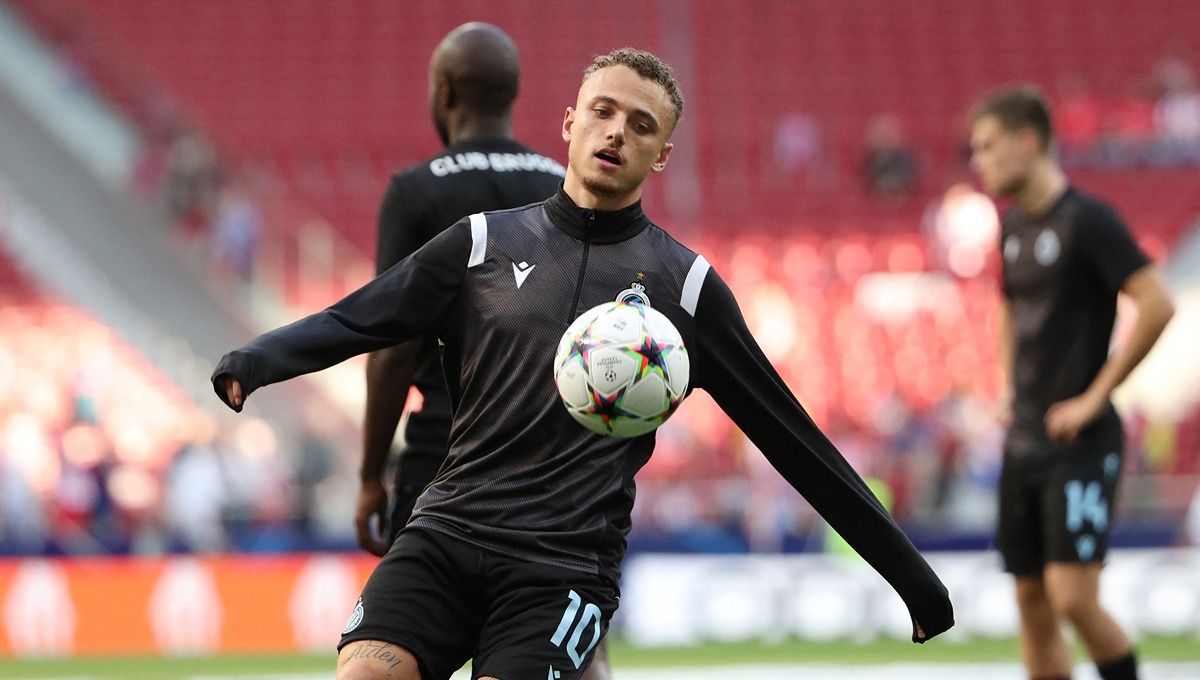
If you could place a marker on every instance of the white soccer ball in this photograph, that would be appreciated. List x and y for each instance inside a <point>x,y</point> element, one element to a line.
<point>621,369</point>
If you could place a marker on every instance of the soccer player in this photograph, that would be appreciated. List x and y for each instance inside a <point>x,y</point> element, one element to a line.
<point>474,75</point>
<point>512,555</point>
<point>1066,255</point>
<point>473,79</point>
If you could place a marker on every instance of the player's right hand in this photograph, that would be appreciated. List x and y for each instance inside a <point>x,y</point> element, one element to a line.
<point>372,502</point>
<point>231,389</point>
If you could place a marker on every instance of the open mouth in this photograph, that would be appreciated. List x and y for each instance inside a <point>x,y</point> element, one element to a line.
<point>608,156</point>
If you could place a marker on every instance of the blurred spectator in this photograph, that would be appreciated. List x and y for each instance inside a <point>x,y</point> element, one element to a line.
<point>797,143</point>
<point>1078,117</point>
<point>237,230</point>
<point>1129,128</point>
<point>192,177</point>
<point>195,493</point>
<point>1177,113</point>
<point>889,163</point>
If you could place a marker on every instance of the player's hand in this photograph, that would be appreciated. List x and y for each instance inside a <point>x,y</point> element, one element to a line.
<point>372,502</point>
<point>1066,418</point>
<point>232,389</point>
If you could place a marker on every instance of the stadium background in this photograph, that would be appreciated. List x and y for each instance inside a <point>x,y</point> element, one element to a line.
<point>177,175</point>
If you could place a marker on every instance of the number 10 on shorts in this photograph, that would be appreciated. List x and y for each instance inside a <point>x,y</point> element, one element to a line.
<point>591,615</point>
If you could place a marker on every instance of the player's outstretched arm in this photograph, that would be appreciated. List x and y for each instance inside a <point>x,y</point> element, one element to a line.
<point>396,306</point>
<point>738,375</point>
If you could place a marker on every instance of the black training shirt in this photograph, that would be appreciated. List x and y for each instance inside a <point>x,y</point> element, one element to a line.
<point>465,178</point>
<point>1062,272</point>
<point>522,477</point>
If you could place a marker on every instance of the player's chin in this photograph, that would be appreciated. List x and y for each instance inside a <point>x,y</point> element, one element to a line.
<point>605,185</point>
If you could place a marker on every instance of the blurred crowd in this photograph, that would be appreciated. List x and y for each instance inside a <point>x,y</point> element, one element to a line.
<point>100,454</point>
<point>890,350</point>
<point>888,342</point>
<point>1153,123</point>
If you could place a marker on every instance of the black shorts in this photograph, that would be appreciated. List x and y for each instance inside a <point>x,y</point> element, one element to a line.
<point>1057,506</point>
<point>448,602</point>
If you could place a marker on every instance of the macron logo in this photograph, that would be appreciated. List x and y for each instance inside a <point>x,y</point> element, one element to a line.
<point>521,272</point>
<point>552,674</point>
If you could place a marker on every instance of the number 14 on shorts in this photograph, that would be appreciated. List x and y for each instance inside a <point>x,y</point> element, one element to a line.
<point>572,626</point>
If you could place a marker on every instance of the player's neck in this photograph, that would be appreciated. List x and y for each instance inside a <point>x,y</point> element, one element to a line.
<point>589,200</point>
<point>479,127</point>
<point>1046,185</point>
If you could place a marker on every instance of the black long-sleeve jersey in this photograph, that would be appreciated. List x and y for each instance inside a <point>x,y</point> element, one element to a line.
<point>466,177</point>
<point>524,479</point>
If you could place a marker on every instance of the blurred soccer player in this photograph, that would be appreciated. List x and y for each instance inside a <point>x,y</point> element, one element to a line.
<point>473,80</point>
<point>513,553</point>
<point>1066,255</point>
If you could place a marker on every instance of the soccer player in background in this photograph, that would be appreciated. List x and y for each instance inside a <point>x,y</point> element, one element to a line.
<point>512,556</point>
<point>1066,255</point>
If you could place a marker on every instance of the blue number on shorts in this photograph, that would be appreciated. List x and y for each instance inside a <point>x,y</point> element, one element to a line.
<point>591,614</point>
<point>1086,503</point>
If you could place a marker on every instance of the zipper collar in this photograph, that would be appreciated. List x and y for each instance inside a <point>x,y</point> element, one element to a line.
<point>595,226</point>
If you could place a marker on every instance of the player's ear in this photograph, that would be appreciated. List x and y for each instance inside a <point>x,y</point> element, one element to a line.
<point>1030,142</point>
<point>568,121</point>
<point>660,163</point>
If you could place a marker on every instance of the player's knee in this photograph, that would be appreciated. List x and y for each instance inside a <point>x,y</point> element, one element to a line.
<point>1071,603</point>
<point>1031,595</point>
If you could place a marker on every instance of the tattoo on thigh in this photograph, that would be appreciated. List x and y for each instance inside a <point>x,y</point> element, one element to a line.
<point>377,651</point>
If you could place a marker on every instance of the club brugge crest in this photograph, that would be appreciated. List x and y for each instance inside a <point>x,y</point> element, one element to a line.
<point>635,294</point>
<point>356,618</point>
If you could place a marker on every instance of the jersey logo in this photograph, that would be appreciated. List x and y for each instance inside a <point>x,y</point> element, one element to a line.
<point>635,294</point>
<point>521,271</point>
<point>1046,248</point>
<point>553,674</point>
<point>356,618</point>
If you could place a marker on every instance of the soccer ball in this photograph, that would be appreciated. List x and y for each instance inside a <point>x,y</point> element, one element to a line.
<point>621,369</point>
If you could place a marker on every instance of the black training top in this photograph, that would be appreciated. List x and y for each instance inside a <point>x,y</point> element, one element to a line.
<point>1062,272</point>
<point>467,177</point>
<point>522,477</point>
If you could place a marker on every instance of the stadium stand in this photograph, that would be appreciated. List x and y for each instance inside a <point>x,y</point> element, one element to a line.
<point>290,94</point>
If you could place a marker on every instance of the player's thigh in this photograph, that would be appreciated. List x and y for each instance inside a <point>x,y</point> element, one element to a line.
<point>423,597</point>
<point>1019,526</point>
<point>1079,500</point>
<point>376,660</point>
<point>543,621</point>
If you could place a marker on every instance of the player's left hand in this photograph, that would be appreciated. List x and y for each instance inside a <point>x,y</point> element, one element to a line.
<point>1066,418</point>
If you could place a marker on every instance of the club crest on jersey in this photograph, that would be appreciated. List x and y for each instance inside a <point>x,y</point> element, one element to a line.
<point>635,294</point>
<point>356,618</point>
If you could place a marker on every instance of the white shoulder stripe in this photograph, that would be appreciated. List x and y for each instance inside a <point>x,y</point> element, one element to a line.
<point>478,240</point>
<point>692,285</point>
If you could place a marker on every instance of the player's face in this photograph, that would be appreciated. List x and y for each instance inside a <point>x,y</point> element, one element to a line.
<point>618,131</point>
<point>1000,157</point>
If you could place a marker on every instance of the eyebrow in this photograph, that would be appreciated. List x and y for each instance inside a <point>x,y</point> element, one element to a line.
<point>603,98</point>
